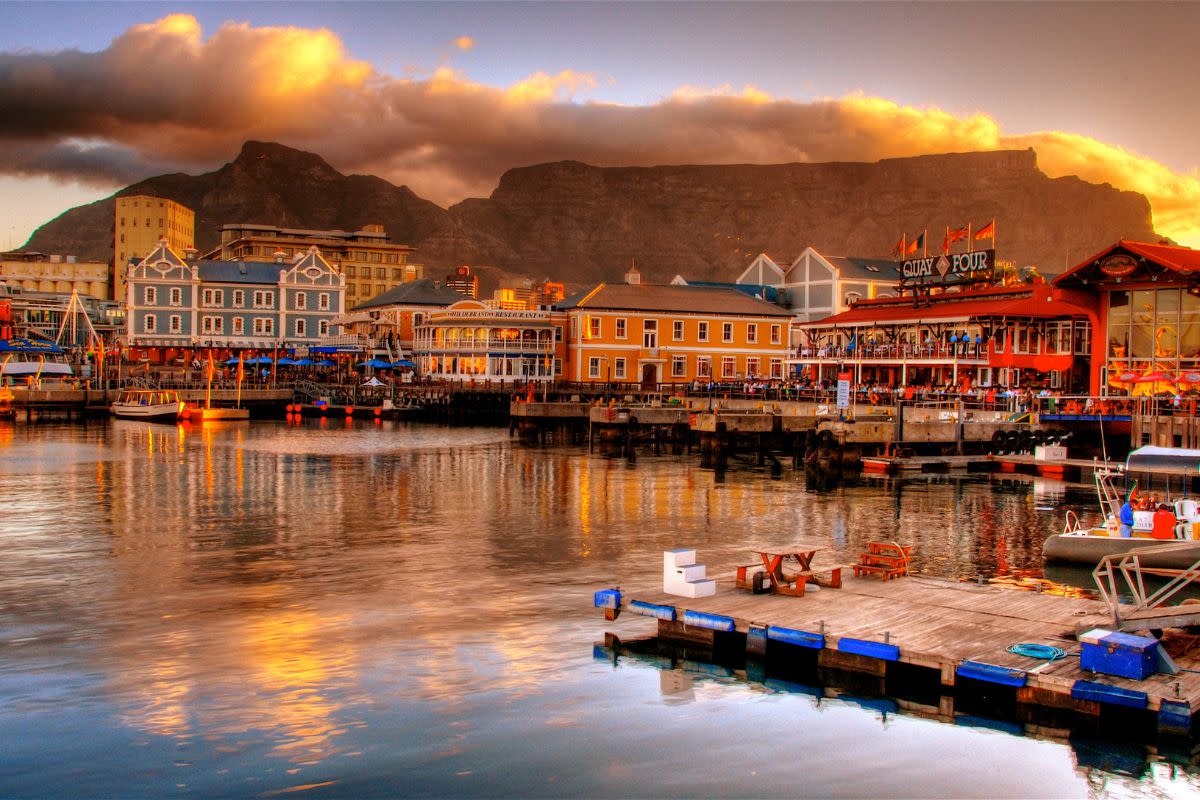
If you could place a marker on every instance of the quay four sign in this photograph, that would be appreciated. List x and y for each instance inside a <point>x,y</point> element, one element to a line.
<point>977,265</point>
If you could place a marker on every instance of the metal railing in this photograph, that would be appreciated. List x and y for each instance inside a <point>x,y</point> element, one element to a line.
<point>1125,571</point>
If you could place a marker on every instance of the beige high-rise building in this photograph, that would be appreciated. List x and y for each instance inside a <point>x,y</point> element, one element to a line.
<point>139,222</point>
<point>371,262</point>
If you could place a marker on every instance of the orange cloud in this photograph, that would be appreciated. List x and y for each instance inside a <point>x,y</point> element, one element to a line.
<point>162,97</point>
<point>464,43</point>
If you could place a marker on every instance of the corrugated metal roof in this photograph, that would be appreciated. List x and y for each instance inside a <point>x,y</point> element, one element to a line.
<point>423,292</point>
<point>682,299</point>
<point>265,272</point>
<point>871,269</point>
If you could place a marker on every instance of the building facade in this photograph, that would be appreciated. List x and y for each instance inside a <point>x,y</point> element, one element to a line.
<point>653,334</point>
<point>1148,308</point>
<point>38,272</point>
<point>139,222</point>
<point>814,286</point>
<point>470,341</point>
<point>463,281</point>
<point>393,316</point>
<point>173,302</point>
<point>371,263</point>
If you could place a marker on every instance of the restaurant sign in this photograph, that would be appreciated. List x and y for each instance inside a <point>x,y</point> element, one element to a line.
<point>1118,265</point>
<point>956,268</point>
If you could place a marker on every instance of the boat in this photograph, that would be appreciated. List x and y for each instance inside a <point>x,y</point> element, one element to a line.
<point>215,414</point>
<point>1088,544</point>
<point>153,405</point>
<point>7,410</point>
<point>31,361</point>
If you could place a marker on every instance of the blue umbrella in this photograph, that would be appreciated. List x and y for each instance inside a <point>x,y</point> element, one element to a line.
<point>260,360</point>
<point>325,362</point>
<point>286,362</point>
<point>231,362</point>
<point>376,363</point>
<point>404,362</point>
<point>303,362</point>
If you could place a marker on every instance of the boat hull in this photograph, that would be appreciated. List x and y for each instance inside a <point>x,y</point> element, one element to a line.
<point>163,412</point>
<point>1073,548</point>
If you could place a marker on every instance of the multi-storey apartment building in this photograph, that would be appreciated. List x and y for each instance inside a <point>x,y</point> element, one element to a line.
<point>139,221</point>
<point>177,302</point>
<point>371,263</point>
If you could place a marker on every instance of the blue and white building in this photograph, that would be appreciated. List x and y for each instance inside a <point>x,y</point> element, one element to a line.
<point>174,302</point>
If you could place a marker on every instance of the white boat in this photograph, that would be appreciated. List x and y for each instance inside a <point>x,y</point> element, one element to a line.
<point>1087,544</point>
<point>154,405</point>
<point>24,361</point>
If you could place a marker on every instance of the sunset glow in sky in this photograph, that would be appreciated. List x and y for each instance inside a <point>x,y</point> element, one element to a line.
<point>445,97</point>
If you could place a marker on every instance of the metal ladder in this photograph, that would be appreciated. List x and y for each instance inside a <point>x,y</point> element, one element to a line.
<point>1148,610</point>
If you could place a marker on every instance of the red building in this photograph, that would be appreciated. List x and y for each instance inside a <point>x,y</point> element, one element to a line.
<point>1147,299</point>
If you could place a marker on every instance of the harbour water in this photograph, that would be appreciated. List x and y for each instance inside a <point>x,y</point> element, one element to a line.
<point>389,609</point>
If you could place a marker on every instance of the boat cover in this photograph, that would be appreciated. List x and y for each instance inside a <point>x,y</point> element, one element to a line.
<point>29,346</point>
<point>1168,460</point>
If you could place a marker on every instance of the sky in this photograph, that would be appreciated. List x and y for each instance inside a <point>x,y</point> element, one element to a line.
<point>444,97</point>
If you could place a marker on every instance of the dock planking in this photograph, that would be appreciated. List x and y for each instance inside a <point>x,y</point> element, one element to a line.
<point>940,624</point>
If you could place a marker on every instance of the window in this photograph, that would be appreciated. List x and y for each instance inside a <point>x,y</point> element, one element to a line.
<point>650,333</point>
<point>752,367</point>
<point>301,328</point>
<point>397,275</point>
<point>214,297</point>
<point>350,290</point>
<point>776,334</point>
<point>150,295</point>
<point>239,298</point>
<point>594,328</point>
<point>176,296</point>
<point>264,327</point>
<point>726,331</point>
<point>558,366</point>
<point>776,368</point>
<point>323,327</point>
<point>377,258</point>
<point>239,326</point>
<point>558,333</point>
<point>752,333</point>
<point>703,367</point>
<point>380,272</point>
<point>212,325</point>
<point>264,300</point>
<point>175,323</point>
<point>301,301</point>
<point>678,366</point>
<point>702,331</point>
<point>149,323</point>
<point>593,367</point>
<point>728,366</point>
<point>621,328</point>
<point>323,301</point>
<point>350,271</point>
<point>677,331</point>
<point>619,368</point>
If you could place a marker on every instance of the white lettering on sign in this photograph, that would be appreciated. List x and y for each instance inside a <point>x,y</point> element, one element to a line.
<point>948,267</point>
<point>489,313</point>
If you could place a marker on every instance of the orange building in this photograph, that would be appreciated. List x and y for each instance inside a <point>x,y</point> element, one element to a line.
<point>652,334</point>
<point>394,315</point>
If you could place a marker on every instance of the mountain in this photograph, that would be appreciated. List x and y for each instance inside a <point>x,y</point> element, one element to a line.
<point>580,223</point>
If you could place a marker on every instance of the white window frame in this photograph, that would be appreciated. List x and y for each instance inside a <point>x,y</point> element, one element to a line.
<point>150,323</point>
<point>264,326</point>
<point>264,299</point>
<point>776,334</point>
<point>323,327</point>
<point>622,328</point>
<point>212,325</point>
<point>593,367</point>
<point>175,296</point>
<point>619,367</point>
<point>175,323</point>
<point>150,295</point>
<point>323,301</point>
<point>301,301</point>
<point>752,333</point>
<point>239,298</point>
<point>753,365</point>
<point>214,298</point>
<point>678,366</point>
<point>677,330</point>
<point>595,329</point>
<point>702,331</point>
<point>728,367</point>
<point>704,367</point>
<point>301,327</point>
<point>776,367</point>
<point>239,326</point>
<point>726,332</point>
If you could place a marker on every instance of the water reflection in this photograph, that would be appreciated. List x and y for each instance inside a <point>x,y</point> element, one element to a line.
<point>269,606</point>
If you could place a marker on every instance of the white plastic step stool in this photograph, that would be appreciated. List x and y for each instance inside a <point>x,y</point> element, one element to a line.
<point>682,576</point>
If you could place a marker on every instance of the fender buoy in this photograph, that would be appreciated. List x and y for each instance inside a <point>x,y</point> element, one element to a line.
<point>377,412</point>
<point>349,410</point>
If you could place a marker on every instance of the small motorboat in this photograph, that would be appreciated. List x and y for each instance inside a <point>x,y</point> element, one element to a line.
<point>152,405</point>
<point>1088,544</point>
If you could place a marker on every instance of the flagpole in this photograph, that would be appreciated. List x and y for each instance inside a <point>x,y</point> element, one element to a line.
<point>993,233</point>
<point>969,237</point>
<point>925,244</point>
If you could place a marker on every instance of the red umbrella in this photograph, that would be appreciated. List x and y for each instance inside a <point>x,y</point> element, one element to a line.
<point>1154,377</point>
<point>1192,378</point>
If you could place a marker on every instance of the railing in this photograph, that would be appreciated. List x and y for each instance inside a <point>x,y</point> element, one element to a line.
<point>1126,568</point>
<point>893,351</point>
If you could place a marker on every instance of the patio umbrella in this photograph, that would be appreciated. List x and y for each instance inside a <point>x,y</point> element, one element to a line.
<point>231,362</point>
<point>404,362</point>
<point>287,362</point>
<point>326,362</point>
<point>376,363</point>
<point>303,362</point>
<point>1190,378</point>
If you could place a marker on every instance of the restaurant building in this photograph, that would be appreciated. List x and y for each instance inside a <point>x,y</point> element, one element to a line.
<point>952,327</point>
<point>1148,309</point>
<point>394,315</point>
<point>470,341</point>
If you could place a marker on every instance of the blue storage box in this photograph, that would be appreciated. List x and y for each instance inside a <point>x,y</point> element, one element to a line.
<point>1120,654</point>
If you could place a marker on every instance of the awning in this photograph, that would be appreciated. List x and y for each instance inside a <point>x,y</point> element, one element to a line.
<point>1164,460</point>
<point>945,311</point>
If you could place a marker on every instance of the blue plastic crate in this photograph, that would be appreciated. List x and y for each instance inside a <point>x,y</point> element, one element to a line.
<point>1120,654</point>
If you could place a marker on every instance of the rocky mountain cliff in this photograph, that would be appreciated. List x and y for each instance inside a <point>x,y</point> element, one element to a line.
<point>580,223</point>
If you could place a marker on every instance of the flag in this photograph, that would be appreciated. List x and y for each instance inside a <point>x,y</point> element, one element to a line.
<point>915,245</point>
<point>952,236</point>
<point>901,246</point>
<point>986,232</point>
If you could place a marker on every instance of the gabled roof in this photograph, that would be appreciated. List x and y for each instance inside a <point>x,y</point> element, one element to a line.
<point>870,269</point>
<point>265,272</point>
<point>1182,260</point>
<point>163,252</point>
<point>682,299</point>
<point>423,292</point>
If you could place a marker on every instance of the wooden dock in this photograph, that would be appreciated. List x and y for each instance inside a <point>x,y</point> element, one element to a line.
<point>958,631</point>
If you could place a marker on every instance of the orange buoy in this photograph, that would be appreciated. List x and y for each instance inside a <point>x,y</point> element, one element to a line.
<point>349,410</point>
<point>377,412</point>
<point>186,413</point>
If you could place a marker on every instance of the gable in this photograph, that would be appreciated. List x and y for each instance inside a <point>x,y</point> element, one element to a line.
<point>763,271</point>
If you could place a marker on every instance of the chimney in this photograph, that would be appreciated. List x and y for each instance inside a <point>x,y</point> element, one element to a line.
<point>633,277</point>
<point>278,255</point>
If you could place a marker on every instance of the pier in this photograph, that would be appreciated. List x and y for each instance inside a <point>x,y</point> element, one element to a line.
<point>952,635</point>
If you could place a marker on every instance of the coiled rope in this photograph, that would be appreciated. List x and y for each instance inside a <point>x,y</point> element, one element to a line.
<point>1042,652</point>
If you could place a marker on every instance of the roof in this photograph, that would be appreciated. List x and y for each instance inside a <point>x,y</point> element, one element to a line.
<point>1027,302</point>
<point>1183,260</point>
<point>423,292</point>
<point>240,271</point>
<point>768,293</point>
<point>680,299</point>
<point>870,269</point>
